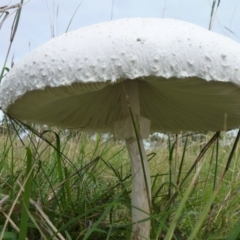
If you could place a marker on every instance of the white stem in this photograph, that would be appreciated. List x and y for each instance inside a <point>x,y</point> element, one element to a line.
<point>141,191</point>
<point>140,199</point>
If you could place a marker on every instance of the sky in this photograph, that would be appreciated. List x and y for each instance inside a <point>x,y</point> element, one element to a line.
<point>40,17</point>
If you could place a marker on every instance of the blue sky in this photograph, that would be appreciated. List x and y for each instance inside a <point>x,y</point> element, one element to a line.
<point>39,15</point>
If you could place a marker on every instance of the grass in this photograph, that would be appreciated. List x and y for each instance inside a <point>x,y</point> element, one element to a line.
<point>79,188</point>
<point>57,184</point>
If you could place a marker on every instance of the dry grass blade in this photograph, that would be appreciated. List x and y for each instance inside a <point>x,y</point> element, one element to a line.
<point>14,226</point>
<point>4,11</point>
<point>46,218</point>
<point>3,200</point>
<point>10,213</point>
<point>18,8</point>
<point>228,29</point>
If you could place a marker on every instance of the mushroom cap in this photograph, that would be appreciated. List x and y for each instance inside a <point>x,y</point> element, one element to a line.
<point>188,77</point>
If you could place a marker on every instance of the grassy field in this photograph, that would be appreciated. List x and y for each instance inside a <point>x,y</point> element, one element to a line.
<point>57,184</point>
<point>78,187</point>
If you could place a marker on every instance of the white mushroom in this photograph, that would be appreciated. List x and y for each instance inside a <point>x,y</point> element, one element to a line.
<point>174,76</point>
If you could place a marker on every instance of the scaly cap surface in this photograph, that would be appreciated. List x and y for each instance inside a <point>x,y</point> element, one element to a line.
<point>188,77</point>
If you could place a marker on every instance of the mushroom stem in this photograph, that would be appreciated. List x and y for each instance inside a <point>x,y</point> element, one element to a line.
<point>141,194</point>
<point>134,128</point>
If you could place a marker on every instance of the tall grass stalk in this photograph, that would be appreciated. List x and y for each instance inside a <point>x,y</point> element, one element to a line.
<point>214,9</point>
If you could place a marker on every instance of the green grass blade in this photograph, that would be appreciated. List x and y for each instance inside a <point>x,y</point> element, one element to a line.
<point>235,232</point>
<point>214,6</point>
<point>171,148</point>
<point>203,216</point>
<point>26,195</point>
<point>181,207</point>
<point>141,156</point>
<point>182,160</point>
<point>60,167</point>
<point>216,165</point>
<point>232,151</point>
<point>9,236</point>
<point>73,16</point>
<point>67,185</point>
<point>211,15</point>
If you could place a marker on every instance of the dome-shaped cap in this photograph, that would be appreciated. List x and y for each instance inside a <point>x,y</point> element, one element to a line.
<point>188,77</point>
